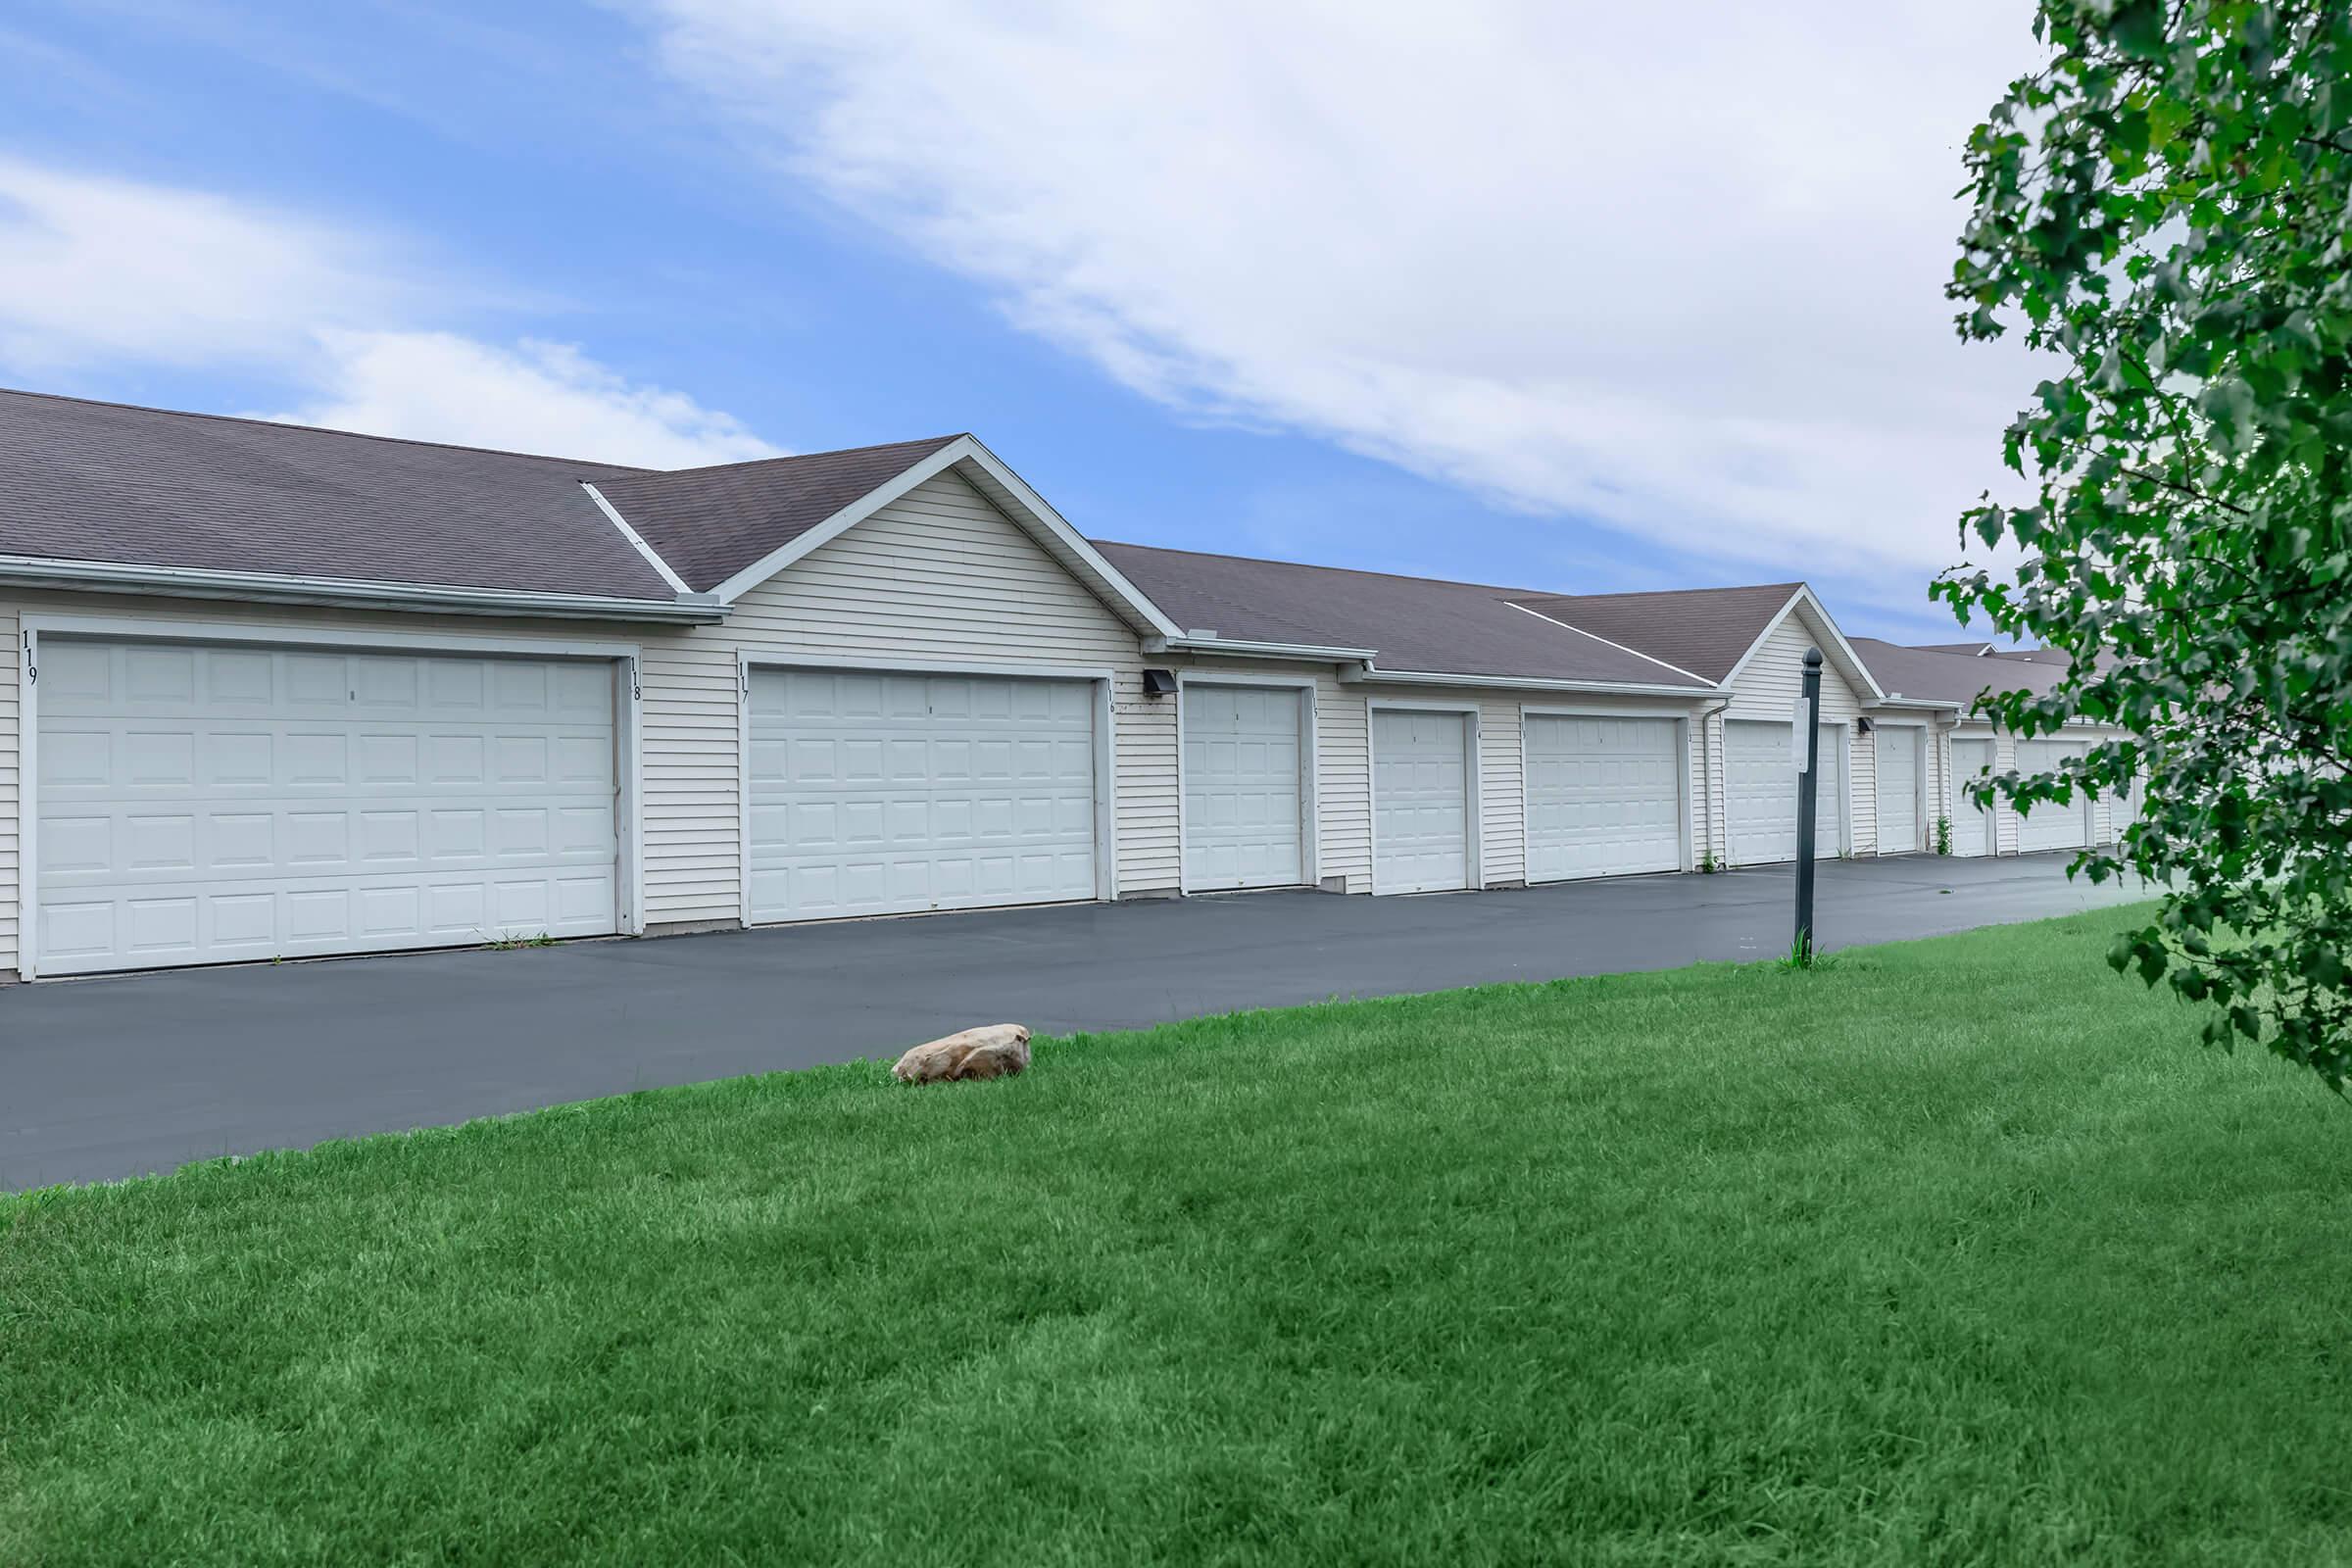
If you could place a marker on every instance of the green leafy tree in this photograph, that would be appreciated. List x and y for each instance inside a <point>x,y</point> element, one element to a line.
<point>2163,208</point>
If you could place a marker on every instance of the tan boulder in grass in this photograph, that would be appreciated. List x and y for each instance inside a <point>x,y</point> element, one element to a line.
<point>992,1051</point>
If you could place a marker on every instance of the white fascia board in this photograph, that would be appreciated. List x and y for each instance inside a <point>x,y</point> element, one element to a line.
<point>1239,649</point>
<point>1524,683</point>
<point>1854,669</point>
<point>1131,598</point>
<point>1646,659</point>
<point>652,557</point>
<point>32,571</point>
<point>1028,508</point>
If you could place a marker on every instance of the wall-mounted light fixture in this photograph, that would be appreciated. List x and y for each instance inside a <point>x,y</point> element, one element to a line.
<point>1160,684</point>
<point>1861,726</point>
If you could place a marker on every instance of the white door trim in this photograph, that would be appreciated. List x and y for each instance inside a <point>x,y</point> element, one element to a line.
<point>628,694</point>
<point>1474,846</point>
<point>1107,769</point>
<point>1310,811</point>
<point>1683,732</point>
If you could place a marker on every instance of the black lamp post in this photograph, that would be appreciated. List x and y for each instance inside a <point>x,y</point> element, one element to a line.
<point>1808,789</point>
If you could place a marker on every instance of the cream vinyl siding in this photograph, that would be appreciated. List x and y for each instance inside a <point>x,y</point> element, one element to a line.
<point>940,576</point>
<point>1344,758</point>
<point>2004,759</point>
<point>11,657</point>
<point>689,725</point>
<point>1768,688</point>
<point>1711,815</point>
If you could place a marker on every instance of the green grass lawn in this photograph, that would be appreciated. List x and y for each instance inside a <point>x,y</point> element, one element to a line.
<point>1960,1251</point>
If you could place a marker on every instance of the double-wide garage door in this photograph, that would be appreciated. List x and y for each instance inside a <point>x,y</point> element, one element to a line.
<point>884,794</point>
<point>210,802</point>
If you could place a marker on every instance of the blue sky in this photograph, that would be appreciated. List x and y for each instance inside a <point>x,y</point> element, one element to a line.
<point>1538,301</point>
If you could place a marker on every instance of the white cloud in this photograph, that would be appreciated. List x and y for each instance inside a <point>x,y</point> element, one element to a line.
<point>536,397</point>
<point>1685,277</point>
<point>98,273</point>
<point>98,270</point>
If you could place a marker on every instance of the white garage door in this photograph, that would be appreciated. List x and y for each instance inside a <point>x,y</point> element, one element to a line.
<point>876,794</point>
<point>1604,797</point>
<point>200,804</point>
<point>2051,824</point>
<point>1898,747</point>
<point>1242,787</point>
<point>1971,826</point>
<point>1420,800</point>
<point>1760,781</point>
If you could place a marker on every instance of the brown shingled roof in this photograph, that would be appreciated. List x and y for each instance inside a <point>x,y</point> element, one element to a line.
<point>1937,676</point>
<point>1703,630</point>
<point>110,482</point>
<point>710,523</point>
<point>1415,623</point>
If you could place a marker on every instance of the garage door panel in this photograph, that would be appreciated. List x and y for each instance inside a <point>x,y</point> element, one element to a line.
<point>897,794</point>
<point>1900,830</point>
<point>1420,800</point>
<point>1244,790</point>
<point>1972,825</point>
<point>1603,797</point>
<point>2050,824</point>
<point>1760,793</point>
<point>205,804</point>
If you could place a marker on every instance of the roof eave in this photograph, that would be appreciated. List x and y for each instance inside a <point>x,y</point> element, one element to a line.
<point>1367,674</point>
<point>183,582</point>
<point>1243,648</point>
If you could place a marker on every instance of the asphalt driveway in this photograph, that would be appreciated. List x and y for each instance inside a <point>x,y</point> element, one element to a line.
<point>116,1077</point>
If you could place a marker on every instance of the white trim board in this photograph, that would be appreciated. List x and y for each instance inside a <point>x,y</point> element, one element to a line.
<point>1369,677</point>
<point>652,557</point>
<point>32,572</point>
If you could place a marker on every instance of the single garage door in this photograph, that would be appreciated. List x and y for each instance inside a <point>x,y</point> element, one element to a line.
<point>1972,825</point>
<point>1898,749</point>
<point>1243,791</point>
<point>1604,797</point>
<point>202,804</point>
<point>2051,824</point>
<point>875,794</point>
<point>1760,781</point>
<point>1420,800</point>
